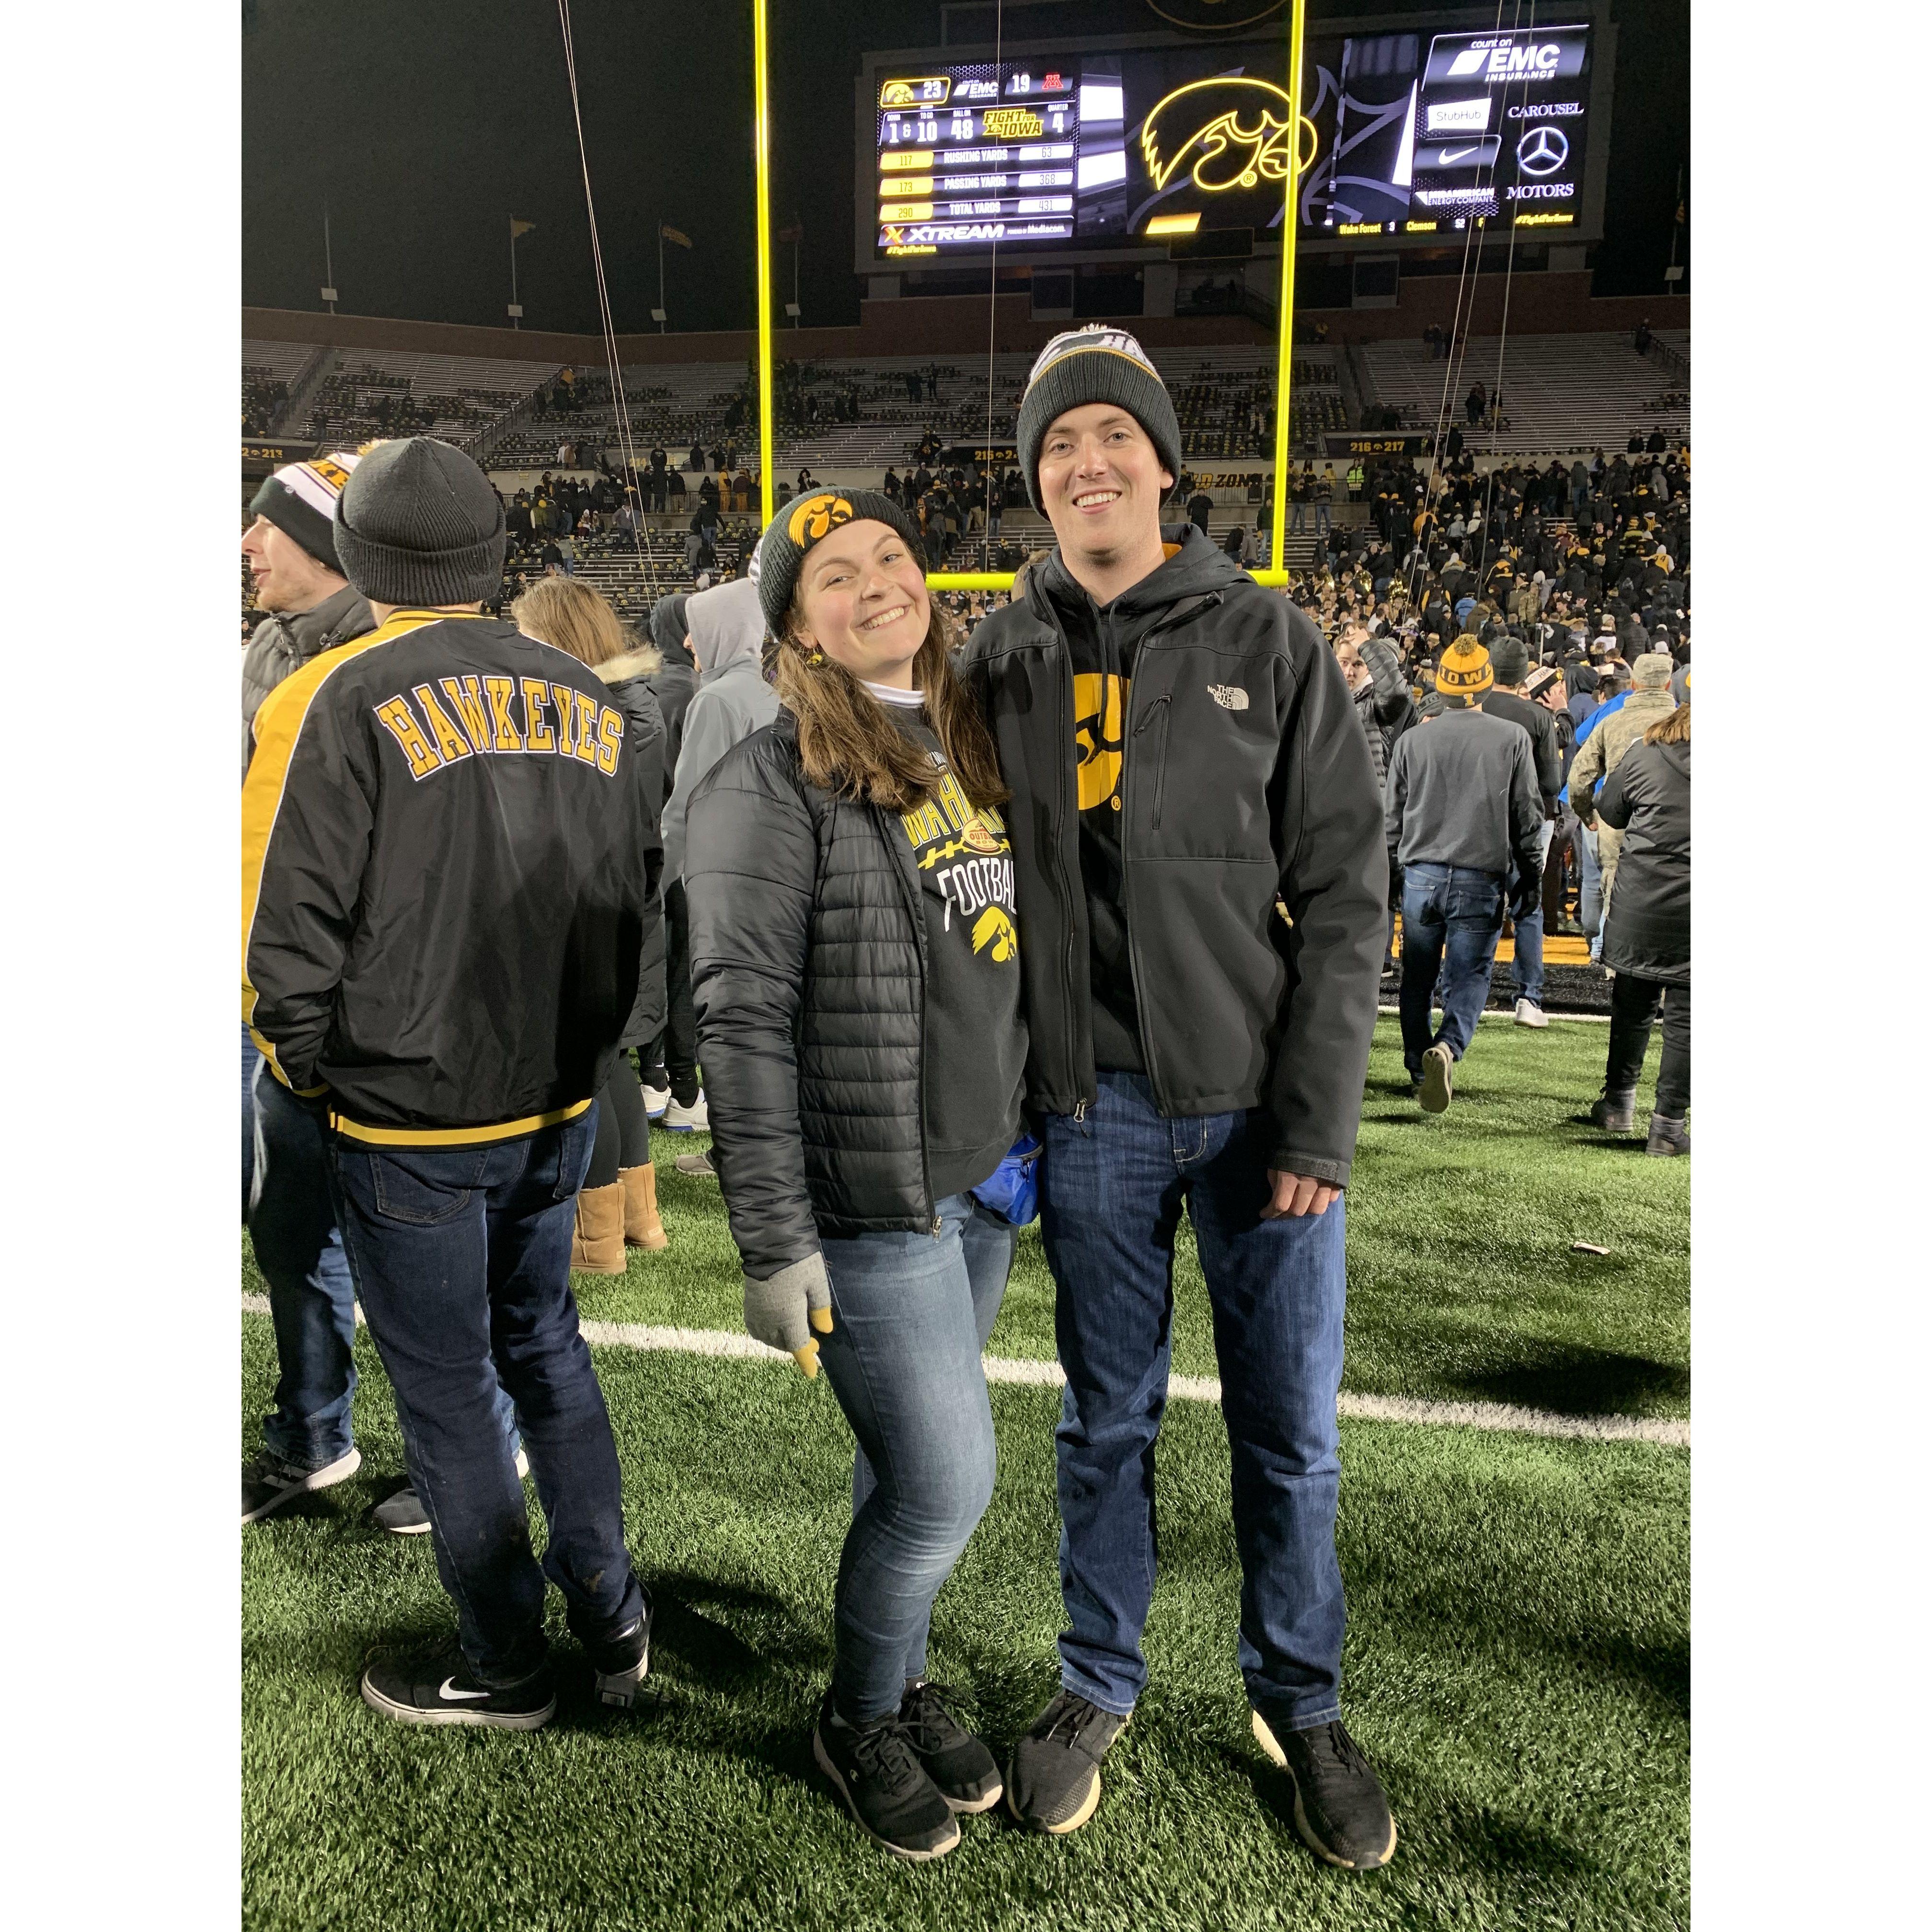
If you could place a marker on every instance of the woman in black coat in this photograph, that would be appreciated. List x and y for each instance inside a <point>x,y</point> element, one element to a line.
<point>618,1203</point>
<point>1647,930</point>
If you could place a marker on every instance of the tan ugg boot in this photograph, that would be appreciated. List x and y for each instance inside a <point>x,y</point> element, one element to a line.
<point>642,1227</point>
<point>597,1247</point>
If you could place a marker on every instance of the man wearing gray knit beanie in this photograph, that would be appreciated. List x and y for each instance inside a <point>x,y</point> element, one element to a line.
<point>1201,875</point>
<point>450,859</point>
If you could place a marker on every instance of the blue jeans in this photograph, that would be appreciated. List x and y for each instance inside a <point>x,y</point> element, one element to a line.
<point>311,1300</point>
<point>1111,1190</point>
<point>1528,970</point>
<point>1321,518</point>
<point>1590,896</point>
<point>911,1313</point>
<point>461,1256</point>
<point>1451,919</point>
<point>1297,517</point>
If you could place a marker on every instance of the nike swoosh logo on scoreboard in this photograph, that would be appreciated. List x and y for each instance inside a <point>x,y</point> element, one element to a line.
<point>1452,155</point>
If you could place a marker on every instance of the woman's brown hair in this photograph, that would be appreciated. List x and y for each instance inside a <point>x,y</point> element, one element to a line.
<point>1674,729</point>
<point>574,617</point>
<point>848,744</point>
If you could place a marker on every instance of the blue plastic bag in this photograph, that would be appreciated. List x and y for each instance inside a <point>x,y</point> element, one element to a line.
<point>1012,1191</point>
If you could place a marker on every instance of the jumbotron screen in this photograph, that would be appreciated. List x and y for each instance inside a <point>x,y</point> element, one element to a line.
<point>1404,133</point>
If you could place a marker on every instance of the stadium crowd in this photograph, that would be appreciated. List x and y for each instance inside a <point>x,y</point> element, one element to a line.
<point>892,884</point>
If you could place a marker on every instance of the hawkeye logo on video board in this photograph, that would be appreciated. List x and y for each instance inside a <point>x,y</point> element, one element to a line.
<point>1228,136</point>
<point>932,92</point>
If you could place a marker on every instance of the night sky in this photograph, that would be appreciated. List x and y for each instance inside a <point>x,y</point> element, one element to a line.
<point>425,124</point>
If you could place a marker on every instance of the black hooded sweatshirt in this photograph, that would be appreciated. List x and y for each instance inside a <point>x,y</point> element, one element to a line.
<point>1225,924</point>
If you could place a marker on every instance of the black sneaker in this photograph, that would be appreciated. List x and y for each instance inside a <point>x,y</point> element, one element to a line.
<point>1614,1113</point>
<point>403,1514</point>
<point>621,1661</point>
<point>1054,1784</point>
<point>1339,1808</point>
<point>268,1482</point>
<point>885,1787</point>
<point>440,1690</point>
<point>965,1770</point>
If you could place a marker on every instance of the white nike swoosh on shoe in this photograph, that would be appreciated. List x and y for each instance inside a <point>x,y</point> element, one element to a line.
<point>448,1689</point>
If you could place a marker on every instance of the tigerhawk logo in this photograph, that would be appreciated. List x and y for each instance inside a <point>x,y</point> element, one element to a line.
<point>813,516</point>
<point>1236,134</point>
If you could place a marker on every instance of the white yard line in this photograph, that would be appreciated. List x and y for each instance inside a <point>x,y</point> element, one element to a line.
<point>1509,1018</point>
<point>1669,1432</point>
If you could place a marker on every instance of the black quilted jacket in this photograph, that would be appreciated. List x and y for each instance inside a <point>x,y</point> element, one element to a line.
<point>807,970</point>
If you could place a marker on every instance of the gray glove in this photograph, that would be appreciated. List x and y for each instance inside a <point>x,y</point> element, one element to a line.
<point>782,1311</point>
<point>1384,666</point>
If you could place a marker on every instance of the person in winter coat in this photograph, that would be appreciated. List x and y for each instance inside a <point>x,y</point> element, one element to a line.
<point>445,879</point>
<point>307,1440</point>
<point>669,1064</point>
<point>1386,707</point>
<point>1647,933</point>
<point>732,699</point>
<point>1601,744</point>
<point>854,956</point>
<point>1509,661</point>
<point>1202,883</point>
<point>617,1205</point>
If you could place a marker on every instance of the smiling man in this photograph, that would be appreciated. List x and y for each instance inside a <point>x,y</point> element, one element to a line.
<point>1200,878</point>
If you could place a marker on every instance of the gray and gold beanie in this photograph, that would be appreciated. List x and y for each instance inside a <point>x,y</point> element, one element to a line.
<point>1094,365</point>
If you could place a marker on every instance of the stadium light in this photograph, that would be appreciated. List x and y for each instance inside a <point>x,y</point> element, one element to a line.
<point>997,580</point>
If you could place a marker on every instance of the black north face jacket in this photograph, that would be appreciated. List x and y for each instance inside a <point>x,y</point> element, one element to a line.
<point>1246,781</point>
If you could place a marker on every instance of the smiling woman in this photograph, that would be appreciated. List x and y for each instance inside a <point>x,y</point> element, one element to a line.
<point>855,968</point>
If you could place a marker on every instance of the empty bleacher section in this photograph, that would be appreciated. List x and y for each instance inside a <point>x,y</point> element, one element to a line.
<point>1559,392</point>
<point>457,397</point>
<point>268,370</point>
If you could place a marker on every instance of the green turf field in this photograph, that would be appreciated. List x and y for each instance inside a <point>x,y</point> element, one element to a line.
<point>1518,1660</point>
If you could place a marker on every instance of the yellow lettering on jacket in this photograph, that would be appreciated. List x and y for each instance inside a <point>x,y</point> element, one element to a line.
<point>449,741</point>
<point>395,713</point>
<point>587,708</point>
<point>609,736</point>
<point>537,734</point>
<point>467,698</point>
<point>501,690</point>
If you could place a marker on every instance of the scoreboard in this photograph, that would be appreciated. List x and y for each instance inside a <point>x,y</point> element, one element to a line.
<point>975,154</point>
<point>1419,129</point>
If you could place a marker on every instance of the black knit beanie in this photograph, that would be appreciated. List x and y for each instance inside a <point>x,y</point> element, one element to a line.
<point>419,524</point>
<point>799,525</point>
<point>1509,658</point>
<point>1094,365</point>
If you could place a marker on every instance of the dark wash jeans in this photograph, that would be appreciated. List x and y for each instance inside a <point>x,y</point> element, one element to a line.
<point>461,1256</point>
<point>1633,1004</point>
<point>1111,1190</point>
<point>1451,919</point>
<point>291,1217</point>
<point>911,1313</point>
<point>291,1220</point>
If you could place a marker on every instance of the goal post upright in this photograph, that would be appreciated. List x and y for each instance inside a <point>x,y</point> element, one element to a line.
<point>994,579</point>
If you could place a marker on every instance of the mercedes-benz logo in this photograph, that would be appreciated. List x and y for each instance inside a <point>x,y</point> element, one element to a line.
<point>1542,151</point>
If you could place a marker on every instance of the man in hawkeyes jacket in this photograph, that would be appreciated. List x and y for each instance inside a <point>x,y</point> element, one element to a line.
<point>307,1438</point>
<point>1201,880</point>
<point>446,878</point>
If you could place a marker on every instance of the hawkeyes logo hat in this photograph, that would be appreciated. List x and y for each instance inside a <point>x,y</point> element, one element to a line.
<point>793,532</point>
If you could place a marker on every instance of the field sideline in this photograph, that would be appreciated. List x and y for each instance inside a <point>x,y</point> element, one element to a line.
<point>1518,1660</point>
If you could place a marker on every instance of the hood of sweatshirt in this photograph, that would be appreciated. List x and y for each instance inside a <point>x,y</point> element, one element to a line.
<point>728,625</point>
<point>669,626</point>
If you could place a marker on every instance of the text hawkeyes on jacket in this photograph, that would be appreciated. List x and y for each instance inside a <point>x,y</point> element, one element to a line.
<point>489,715</point>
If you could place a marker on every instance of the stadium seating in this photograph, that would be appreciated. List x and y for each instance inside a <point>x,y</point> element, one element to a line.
<point>457,398</point>
<point>1561,393</point>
